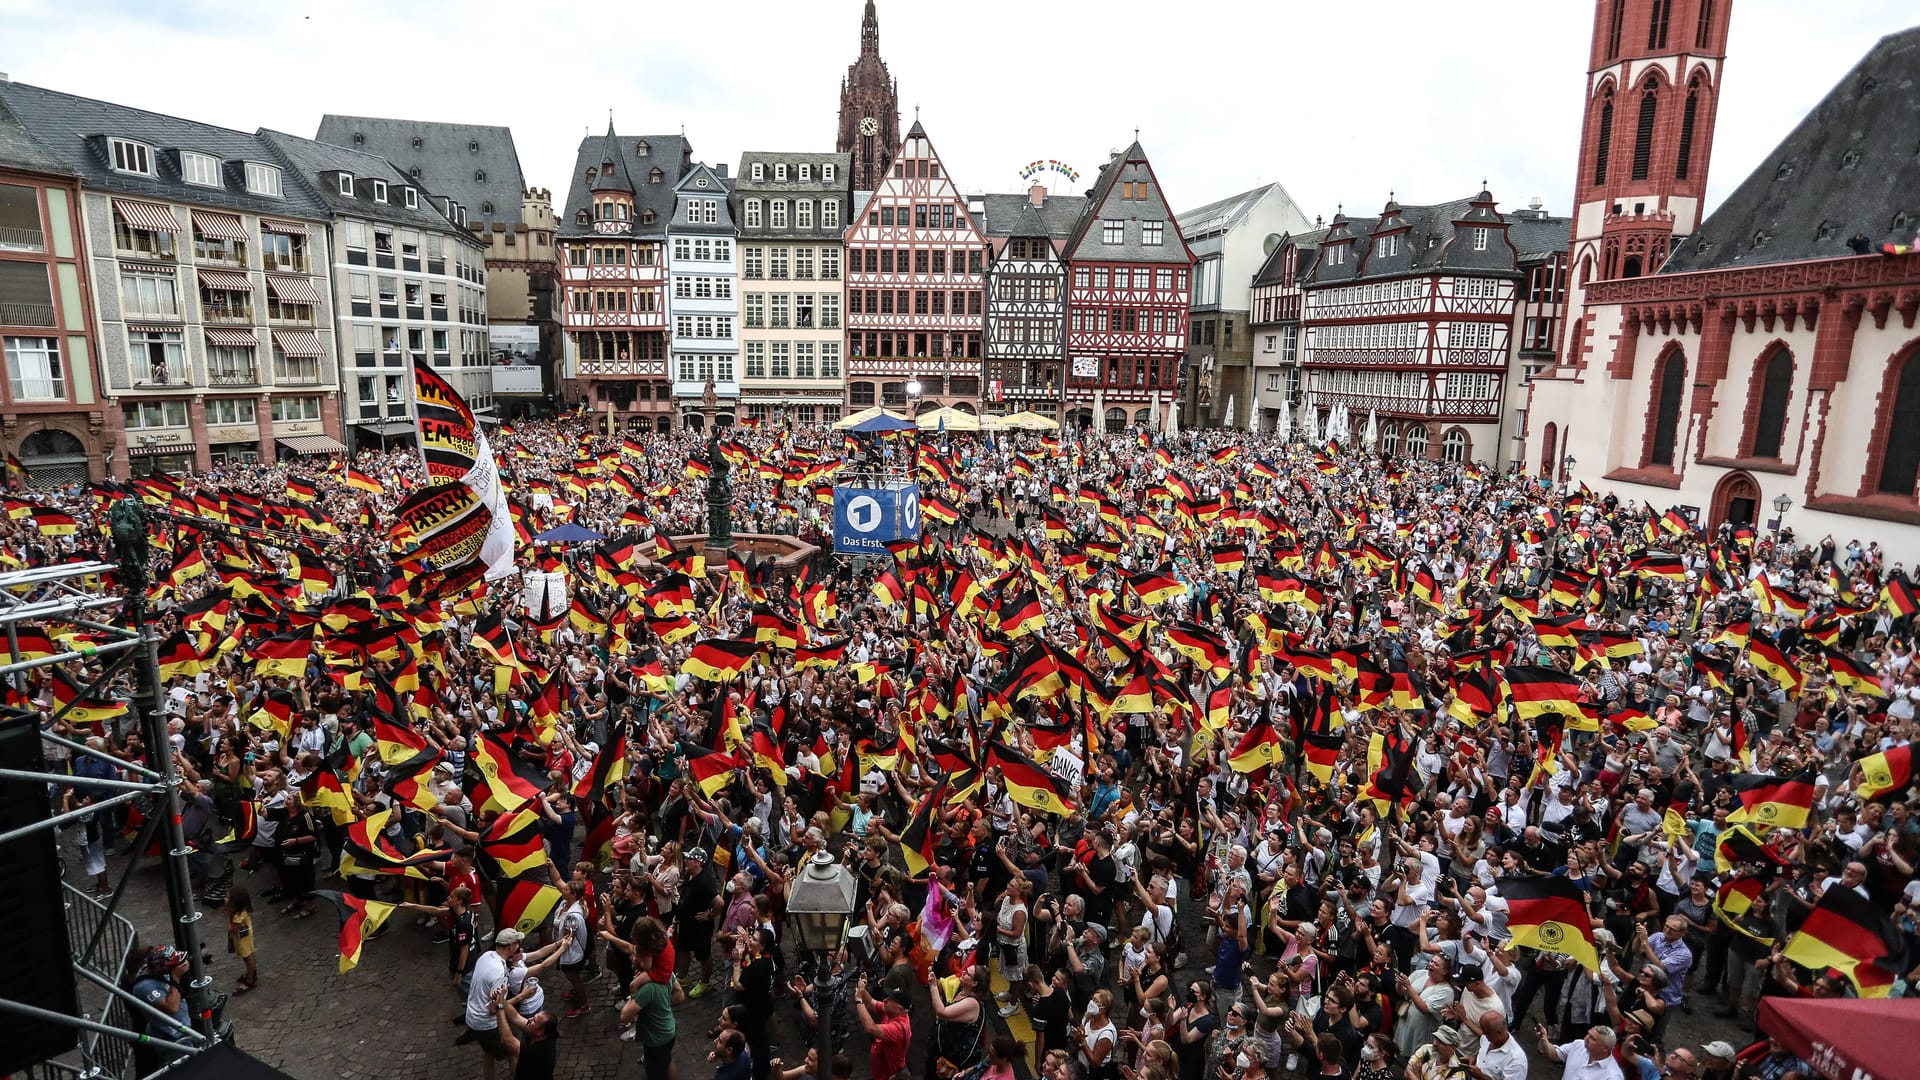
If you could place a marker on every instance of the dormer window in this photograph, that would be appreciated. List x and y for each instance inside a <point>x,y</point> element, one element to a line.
<point>806,174</point>
<point>646,217</point>
<point>459,215</point>
<point>379,191</point>
<point>263,179</point>
<point>485,208</point>
<point>701,183</point>
<point>641,149</point>
<point>473,146</point>
<point>1387,246</point>
<point>780,173</point>
<point>479,176</point>
<point>580,217</point>
<point>759,172</point>
<point>656,176</point>
<point>1480,239</point>
<point>131,157</point>
<point>591,173</point>
<point>199,169</point>
<point>417,142</point>
<point>413,199</point>
<point>359,139</point>
<point>826,174</point>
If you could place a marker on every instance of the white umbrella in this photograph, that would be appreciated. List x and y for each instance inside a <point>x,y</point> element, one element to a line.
<point>1373,428</point>
<point>1228,422</point>
<point>1337,423</point>
<point>1284,426</point>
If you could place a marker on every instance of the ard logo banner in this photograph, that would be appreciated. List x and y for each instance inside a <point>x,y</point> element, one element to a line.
<point>444,525</point>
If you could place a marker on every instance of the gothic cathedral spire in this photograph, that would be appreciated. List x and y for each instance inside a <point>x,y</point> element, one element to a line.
<point>869,109</point>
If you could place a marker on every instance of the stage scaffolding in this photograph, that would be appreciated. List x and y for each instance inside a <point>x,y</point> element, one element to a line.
<point>111,1020</point>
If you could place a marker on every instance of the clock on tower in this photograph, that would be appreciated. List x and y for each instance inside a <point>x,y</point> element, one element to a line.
<point>869,126</point>
<point>869,109</point>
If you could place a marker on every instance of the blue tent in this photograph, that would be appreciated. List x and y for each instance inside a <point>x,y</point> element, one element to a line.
<point>882,422</point>
<point>568,534</point>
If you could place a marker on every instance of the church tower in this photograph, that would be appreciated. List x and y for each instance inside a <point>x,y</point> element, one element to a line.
<point>1653,90</point>
<point>869,110</point>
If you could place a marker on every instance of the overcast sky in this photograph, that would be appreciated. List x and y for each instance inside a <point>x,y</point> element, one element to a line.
<point>1340,101</point>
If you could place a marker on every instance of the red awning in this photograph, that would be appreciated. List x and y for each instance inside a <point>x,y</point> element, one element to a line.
<point>288,227</point>
<point>299,342</point>
<point>231,338</point>
<point>1844,1038</point>
<point>218,226</point>
<point>225,280</point>
<point>149,216</point>
<point>294,290</point>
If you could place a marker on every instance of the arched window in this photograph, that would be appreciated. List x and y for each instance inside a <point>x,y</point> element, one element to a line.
<point>1669,383</point>
<point>1390,438</point>
<point>1776,385</point>
<point>1549,443</point>
<point>1643,134</point>
<point>1902,458</point>
<point>1605,150</point>
<point>1688,116</point>
<point>1416,440</point>
<point>1116,421</point>
<point>1143,418</point>
<point>1453,446</point>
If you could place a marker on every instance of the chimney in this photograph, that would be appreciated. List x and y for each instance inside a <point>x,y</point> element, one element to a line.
<point>720,171</point>
<point>1037,194</point>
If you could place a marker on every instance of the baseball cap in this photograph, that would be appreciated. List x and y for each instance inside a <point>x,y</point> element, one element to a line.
<point>1719,1048</point>
<point>1470,973</point>
<point>508,936</point>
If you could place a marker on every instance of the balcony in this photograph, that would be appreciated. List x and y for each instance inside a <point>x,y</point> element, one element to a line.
<point>286,264</point>
<point>158,377</point>
<point>33,240</point>
<point>247,376</point>
<point>225,315</point>
<point>208,253</point>
<point>27,315</point>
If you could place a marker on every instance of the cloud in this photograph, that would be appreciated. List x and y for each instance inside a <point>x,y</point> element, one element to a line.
<point>1340,102</point>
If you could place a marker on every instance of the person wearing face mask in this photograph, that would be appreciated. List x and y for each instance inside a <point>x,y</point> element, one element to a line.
<point>1189,1029</point>
<point>1379,1059</point>
<point>1096,1041</point>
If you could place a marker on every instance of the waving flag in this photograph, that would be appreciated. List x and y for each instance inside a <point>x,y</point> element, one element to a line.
<point>454,449</point>
<point>359,920</point>
<point>1550,914</point>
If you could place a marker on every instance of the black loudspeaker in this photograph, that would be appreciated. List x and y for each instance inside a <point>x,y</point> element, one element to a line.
<point>32,908</point>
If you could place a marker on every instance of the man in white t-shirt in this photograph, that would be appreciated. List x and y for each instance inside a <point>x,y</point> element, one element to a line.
<point>1590,1058</point>
<point>489,980</point>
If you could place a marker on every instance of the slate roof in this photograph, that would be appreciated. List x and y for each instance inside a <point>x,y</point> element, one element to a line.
<point>447,164</point>
<point>718,187</point>
<point>66,126</point>
<point>744,186</point>
<point>1427,244</point>
<point>20,150</point>
<point>1226,213</point>
<point>1273,270</point>
<point>1538,238</point>
<point>306,160</point>
<point>1849,167</point>
<point>671,154</point>
<point>1015,215</point>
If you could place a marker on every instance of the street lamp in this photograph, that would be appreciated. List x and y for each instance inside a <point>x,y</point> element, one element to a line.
<point>818,903</point>
<point>914,389</point>
<point>1781,504</point>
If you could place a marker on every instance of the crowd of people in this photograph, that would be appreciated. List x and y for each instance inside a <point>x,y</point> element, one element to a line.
<point>1157,758</point>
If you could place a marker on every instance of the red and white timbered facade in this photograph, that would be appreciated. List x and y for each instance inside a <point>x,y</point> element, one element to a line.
<point>916,275</point>
<point>1127,302</point>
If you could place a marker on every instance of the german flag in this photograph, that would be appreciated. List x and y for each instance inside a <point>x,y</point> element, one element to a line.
<point>1735,899</point>
<point>1550,914</point>
<point>1154,587</point>
<point>918,838</point>
<point>1736,845</point>
<point>191,564</point>
<point>1847,932</point>
<point>1897,596</point>
<point>888,590</point>
<point>1475,696</point>
<point>1202,646</point>
<point>511,781</point>
<point>1634,720</point>
<point>1889,772</point>
<point>766,755</point>
<point>513,845</point>
<point>1562,631</point>
<point>1660,566</point>
<point>1716,672</point>
<point>1134,697</point>
<point>1538,691</point>
<point>718,659</point>
<point>52,522</point>
<point>1734,635</point>
<point>283,654</point>
<point>73,703</point>
<point>179,656</point>
<point>1322,753</point>
<point>825,657</point>
<point>710,769</point>
<point>1766,657</point>
<point>359,920</point>
<point>672,629</point>
<point>611,766</point>
<point>1257,749</point>
<point>300,490</point>
<point>526,905</point>
<point>770,627</point>
<point>324,791</point>
<point>396,743</point>
<point>357,479</point>
<point>1852,674</point>
<point>34,643</point>
<point>1219,707</point>
<point>274,711</point>
<point>1020,614</point>
<point>1774,802</point>
<point>1229,558</point>
<point>1027,783</point>
<point>1424,589</point>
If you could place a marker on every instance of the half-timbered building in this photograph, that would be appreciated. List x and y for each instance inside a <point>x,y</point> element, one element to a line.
<point>1027,297</point>
<point>1279,382</point>
<point>916,274</point>
<point>1127,302</point>
<point>1411,316</point>
<point>614,273</point>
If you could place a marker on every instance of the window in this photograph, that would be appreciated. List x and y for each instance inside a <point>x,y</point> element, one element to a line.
<point>263,179</point>
<point>779,215</point>
<point>752,212</point>
<point>1416,441</point>
<point>33,369</point>
<point>1337,254</point>
<point>156,357</point>
<point>826,174</point>
<point>20,219</point>
<point>1657,24</point>
<point>780,173</point>
<point>1688,116</point>
<point>26,295</point>
<point>413,203</point>
<point>1605,149</point>
<point>803,360</point>
<point>781,367</point>
<point>301,408</point>
<point>806,174</point>
<point>777,263</point>
<point>830,262</point>
<point>346,184</point>
<point>1453,446</point>
<point>781,304</point>
<point>756,359</point>
<point>379,191</point>
<point>149,294</point>
<point>131,157</point>
<point>829,311</point>
<point>755,262</point>
<point>759,172</point>
<point>230,410</point>
<point>1669,384</point>
<point>1643,135</point>
<point>830,356</point>
<point>1776,386</point>
<point>830,214</point>
<point>803,213</point>
<point>1900,465</point>
<point>202,170</point>
<point>803,263</point>
<point>1113,232</point>
<point>154,414</point>
<point>1480,239</point>
<point>860,395</point>
<point>295,369</point>
<point>1703,30</point>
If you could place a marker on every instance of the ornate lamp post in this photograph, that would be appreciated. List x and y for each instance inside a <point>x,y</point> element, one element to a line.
<point>1781,504</point>
<point>818,903</point>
